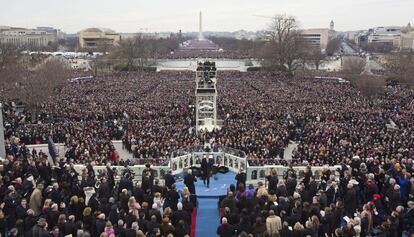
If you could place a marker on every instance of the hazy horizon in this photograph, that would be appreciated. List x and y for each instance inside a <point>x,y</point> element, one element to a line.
<point>225,16</point>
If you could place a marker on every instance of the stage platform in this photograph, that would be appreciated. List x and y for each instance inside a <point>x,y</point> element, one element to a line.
<point>217,187</point>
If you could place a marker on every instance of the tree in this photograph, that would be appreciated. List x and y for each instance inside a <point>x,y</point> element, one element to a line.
<point>29,79</point>
<point>400,67</point>
<point>316,56</point>
<point>238,46</point>
<point>36,84</point>
<point>100,61</point>
<point>353,65</point>
<point>285,46</point>
<point>134,52</point>
<point>333,46</point>
<point>370,85</point>
<point>9,68</point>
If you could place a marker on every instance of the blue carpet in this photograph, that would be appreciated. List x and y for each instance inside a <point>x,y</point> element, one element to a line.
<point>217,187</point>
<point>208,217</point>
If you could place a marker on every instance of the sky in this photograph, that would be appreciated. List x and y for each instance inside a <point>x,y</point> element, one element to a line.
<point>132,16</point>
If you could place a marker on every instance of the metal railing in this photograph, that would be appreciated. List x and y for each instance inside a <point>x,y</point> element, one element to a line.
<point>233,159</point>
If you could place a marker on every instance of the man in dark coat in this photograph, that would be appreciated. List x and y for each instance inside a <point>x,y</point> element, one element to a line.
<point>153,224</point>
<point>142,222</point>
<point>104,189</point>
<point>139,193</point>
<point>169,179</point>
<point>55,194</point>
<point>100,224</point>
<point>125,183</point>
<point>189,180</point>
<point>291,183</point>
<point>147,182</point>
<point>119,228</point>
<point>409,216</point>
<point>150,171</point>
<point>172,197</point>
<point>350,200</point>
<point>157,188</point>
<point>206,166</point>
<point>94,202</point>
<point>330,193</point>
<point>395,198</point>
<point>241,178</point>
<point>225,229</point>
<point>11,201</point>
<point>70,227</point>
<point>130,232</point>
<point>40,230</point>
<point>180,214</point>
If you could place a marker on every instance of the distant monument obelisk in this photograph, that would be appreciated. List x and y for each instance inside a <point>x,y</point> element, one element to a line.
<point>200,29</point>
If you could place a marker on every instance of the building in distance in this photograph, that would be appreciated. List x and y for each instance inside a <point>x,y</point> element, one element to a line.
<point>93,38</point>
<point>30,38</point>
<point>384,37</point>
<point>318,37</point>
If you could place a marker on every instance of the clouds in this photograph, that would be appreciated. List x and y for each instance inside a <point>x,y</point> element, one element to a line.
<point>219,15</point>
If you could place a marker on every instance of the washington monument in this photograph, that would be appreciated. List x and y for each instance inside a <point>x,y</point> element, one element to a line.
<point>200,27</point>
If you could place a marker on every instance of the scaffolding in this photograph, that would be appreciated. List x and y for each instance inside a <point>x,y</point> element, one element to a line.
<point>206,96</point>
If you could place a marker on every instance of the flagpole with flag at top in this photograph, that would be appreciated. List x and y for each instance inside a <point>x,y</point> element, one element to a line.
<point>2,142</point>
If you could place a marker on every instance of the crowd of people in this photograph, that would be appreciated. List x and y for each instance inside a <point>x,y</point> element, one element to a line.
<point>361,202</point>
<point>220,54</point>
<point>41,200</point>
<point>262,112</point>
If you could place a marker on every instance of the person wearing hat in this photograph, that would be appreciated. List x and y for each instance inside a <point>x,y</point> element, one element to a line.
<point>11,201</point>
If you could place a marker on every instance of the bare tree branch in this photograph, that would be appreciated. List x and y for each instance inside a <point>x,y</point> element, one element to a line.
<point>285,45</point>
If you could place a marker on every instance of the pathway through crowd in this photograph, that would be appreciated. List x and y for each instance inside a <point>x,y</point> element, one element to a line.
<point>207,216</point>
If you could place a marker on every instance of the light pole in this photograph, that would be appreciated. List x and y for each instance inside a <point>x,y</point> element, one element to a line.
<point>2,143</point>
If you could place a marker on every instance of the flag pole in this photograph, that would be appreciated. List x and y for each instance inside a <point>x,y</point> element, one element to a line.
<point>2,141</point>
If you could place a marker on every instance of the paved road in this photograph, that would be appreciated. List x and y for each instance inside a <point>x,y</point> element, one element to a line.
<point>348,50</point>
